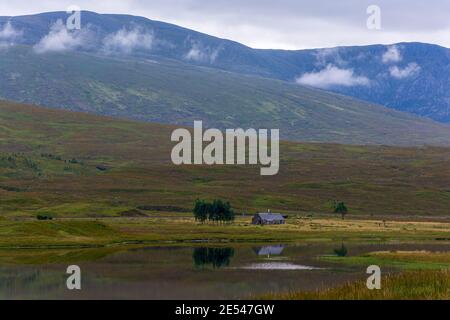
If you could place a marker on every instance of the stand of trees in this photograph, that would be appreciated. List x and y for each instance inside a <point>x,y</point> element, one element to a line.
<point>340,207</point>
<point>216,211</point>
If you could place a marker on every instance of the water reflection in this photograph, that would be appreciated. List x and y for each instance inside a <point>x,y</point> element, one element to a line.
<point>216,257</point>
<point>171,272</point>
<point>269,250</point>
<point>342,251</point>
<point>278,266</point>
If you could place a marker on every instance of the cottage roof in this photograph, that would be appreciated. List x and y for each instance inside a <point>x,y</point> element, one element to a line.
<point>270,216</point>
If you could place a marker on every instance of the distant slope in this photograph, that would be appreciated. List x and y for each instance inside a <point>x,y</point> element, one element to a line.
<point>76,164</point>
<point>411,77</point>
<point>415,78</point>
<point>168,91</point>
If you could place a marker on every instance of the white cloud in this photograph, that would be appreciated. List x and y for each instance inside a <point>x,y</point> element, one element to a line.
<point>198,53</point>
<point>125,41</point>
<point>410,70</point>
<point>8,35</point>
<point>392,55</point>
<point>276,24</point>
<point>327,56</point>
<point>332,76</point>
<point>8,32</point>
<point>60,39</point>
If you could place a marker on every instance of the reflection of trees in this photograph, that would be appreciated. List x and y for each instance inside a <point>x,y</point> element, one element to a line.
<point>217,257</point>
<point>341,252</point>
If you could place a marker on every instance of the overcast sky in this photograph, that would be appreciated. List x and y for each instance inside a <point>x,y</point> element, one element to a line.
<point>281,24</point>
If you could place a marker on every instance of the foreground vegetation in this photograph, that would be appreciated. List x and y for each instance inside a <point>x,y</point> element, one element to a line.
<point>406,260</point>
<point>416,285</point>
<point>425,275</point>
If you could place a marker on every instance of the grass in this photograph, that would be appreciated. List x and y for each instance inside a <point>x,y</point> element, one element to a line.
<point>35,234</point>
<point>392,193</point>
<point>427,276</point>
<point>117,231</point>
<point>174,92</point>
<point>424,285</point>
<point>37,174</point>
<point>405,260</point>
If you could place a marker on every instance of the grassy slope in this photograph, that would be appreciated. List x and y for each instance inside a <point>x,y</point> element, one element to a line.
<point>372,180</point>
<point>173,92</point>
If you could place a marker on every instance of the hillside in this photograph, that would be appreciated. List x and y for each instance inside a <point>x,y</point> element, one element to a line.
<point>167,91</point>
<point>81,165</point>
<point>411,77</point>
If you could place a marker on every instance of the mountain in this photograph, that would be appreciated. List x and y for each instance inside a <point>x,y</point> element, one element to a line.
<point>72,164</point>
<point>411,77</point>
<point>168,91</point>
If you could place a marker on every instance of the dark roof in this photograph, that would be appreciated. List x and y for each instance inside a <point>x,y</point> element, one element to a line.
<point>270,216</point>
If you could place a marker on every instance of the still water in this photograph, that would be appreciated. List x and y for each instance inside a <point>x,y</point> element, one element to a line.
<point>181,272</point>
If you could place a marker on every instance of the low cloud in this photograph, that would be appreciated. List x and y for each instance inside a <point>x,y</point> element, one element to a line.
<point>410,70</point>
<point>60,39</point>
<point>8,32</point>
<point>199,53</point>
<point>332,76</point>
<point>392,54</point>
<point>126,41</point>
<point>328,55</point>
<point>8,35</point>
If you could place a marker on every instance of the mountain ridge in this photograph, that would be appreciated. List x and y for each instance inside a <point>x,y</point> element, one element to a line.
<point>167,91</point>
<point>417,82</point>
<point>147,70</point>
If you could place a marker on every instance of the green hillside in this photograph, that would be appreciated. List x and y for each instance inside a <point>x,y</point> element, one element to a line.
<point>172,92</point>
<point>425,93</point>
<point>81,165</point>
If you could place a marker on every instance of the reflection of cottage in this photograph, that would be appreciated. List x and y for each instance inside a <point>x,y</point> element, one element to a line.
<point>268,218</point>
<point>269,250</point>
